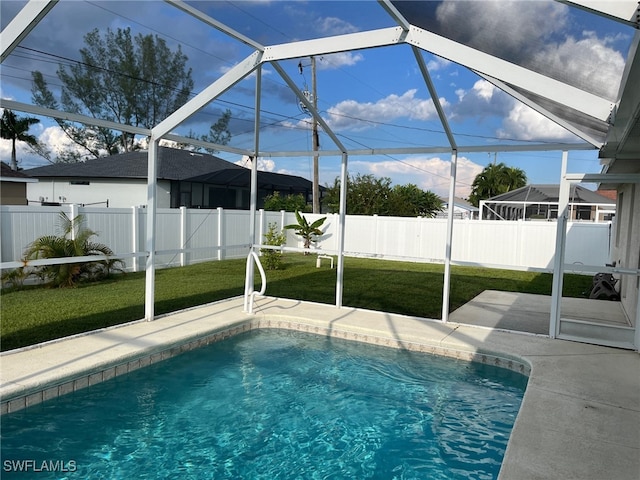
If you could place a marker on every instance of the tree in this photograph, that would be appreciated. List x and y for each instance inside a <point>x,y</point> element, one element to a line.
<point>136,81</point>
<point>289,203</point>
<point>308,231</point>
<point>368,195</point>
<point>74,241</point>
<point>16,129</point>
<point>218,133</point>
<point>494,180</point>
<point>411,201</point>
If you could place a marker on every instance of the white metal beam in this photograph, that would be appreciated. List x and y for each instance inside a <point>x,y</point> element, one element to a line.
<point>516,75</point>
<point>342,219</point>
<point>533,147</point>
<point>22,24</point>
<point>446,287</point>
<point>554,118</point>
<point>558,259</point>
<point>620,11</point>
<point>395,14</point>
<point>335,44</point>
<point>603,177</point>
<point>150,269</point>
<point>215,23</point>
<point>201,143</point>
<point>310,107</point>
<point>434,96</point>
<point>229,79</point>
<point>72,117</point>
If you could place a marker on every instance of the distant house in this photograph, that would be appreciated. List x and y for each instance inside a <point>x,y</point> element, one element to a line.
<point>540,202</point>
<point>13,186</point>
<point>185,179</point>
<point>461,209</point>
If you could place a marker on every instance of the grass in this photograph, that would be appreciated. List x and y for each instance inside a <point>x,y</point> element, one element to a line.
<point>34,315</point>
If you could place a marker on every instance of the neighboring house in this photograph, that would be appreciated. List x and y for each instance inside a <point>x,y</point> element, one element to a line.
<point>193,180</point>
<point>540,202</point>
<point>13,186</point>
<point>461,209</point>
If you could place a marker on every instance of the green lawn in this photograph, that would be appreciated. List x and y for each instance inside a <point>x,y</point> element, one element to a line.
<point>35,315</point>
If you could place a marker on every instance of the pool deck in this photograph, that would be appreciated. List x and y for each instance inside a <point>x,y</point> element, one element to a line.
<point>580,416</point>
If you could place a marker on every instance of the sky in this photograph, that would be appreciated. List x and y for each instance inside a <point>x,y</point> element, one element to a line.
<point>374,98</point>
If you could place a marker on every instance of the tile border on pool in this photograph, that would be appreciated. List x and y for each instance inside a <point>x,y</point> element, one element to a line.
<point>29,398</point>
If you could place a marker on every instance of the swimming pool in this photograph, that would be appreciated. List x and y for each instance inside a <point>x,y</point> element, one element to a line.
<point>276,404</point>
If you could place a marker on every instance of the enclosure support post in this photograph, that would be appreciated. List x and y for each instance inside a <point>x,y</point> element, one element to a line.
<point>220,233</point>
<point>254,184</point>
<point>558,261</point>
<point>149,291</point>
<point>446,284</point>
<point>183,236</point>
<point>341,228</point>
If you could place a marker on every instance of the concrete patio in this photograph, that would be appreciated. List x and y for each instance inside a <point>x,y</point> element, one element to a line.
<point>526,312</point>
<point>580,416</point>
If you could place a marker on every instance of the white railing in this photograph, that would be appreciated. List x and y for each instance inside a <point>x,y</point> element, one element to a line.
<point>249,292</point>
<point>187,236</point>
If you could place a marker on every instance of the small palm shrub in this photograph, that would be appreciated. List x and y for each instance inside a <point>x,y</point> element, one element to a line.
<point>272,259</point>
<point>74,241</point>
<point>308,231</point>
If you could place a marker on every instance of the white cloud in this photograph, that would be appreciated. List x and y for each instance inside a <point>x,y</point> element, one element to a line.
<point>264,164</point>
<point>350,114</point>
<point>483,99</point>
<point>338,60</point>
<point>525,123</point>
<point>428,173</point>
<point>501,29</point>
<point>334,26</point>
<point>588,63</point>
<point>437,63</point>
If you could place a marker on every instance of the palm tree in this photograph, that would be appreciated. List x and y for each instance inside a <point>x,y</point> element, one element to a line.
<point>494,180</point>
<point>16,128</point>
<point>75,241</point>
<point>306,230</point>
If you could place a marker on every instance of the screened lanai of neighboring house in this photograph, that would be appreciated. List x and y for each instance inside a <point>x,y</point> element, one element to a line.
<point>332,87</point>
<point>540,202</point>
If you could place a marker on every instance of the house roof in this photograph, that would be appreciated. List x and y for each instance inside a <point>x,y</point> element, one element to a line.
<point>460,203</point>
<point>550,193</point>
<point>9,175</point>
<point>173,164</point>
<point>266,180</point>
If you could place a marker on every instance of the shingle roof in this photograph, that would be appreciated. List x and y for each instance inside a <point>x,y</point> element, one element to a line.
<point>550,193</point>
<point>7,174</point>
<point>173,164</point>
<point>266,180</point>
<point>460,203</point>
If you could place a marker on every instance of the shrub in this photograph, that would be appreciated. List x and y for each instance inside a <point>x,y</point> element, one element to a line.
<point>75,241</point>
<point>273,258</point>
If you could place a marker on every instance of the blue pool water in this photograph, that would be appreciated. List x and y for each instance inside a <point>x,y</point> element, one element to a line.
<point>275,405</point>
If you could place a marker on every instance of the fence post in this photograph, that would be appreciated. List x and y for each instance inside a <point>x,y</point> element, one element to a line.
<point>220,235</point>
<point>135,236</point>
<point>73,213</point>
<point>260,229</point>
<point>183,236</point>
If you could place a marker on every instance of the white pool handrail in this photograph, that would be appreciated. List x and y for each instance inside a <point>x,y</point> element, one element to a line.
<point>249,293</point>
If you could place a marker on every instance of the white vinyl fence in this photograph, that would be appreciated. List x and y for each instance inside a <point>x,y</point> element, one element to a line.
<point>186,236</point>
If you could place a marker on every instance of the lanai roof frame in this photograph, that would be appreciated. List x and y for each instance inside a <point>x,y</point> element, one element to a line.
<point>547,95</point>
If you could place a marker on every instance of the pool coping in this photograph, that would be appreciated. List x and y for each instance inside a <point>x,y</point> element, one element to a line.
<point>568,426</point>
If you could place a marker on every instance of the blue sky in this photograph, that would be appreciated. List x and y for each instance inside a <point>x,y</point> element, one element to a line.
<point>373,98</point>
